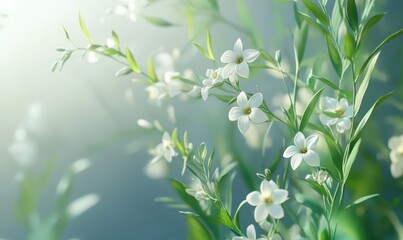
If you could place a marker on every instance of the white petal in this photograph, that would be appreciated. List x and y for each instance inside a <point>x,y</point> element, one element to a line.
<point>253,198</point>
<point>229,70</point>
<point>233,79</point>
<point>396,169</point>
<point>290,151</point>
<point>251,232</point>
<point>394,142</point>
<point>311,141</point>
<point>299,140</point>
<point>261,213</point>
<point>267,226</point>
<point>243,124</point>
<point>395,156</point>
<point>204,93</point>
<point>256,100</point>
<point>311,158</point>
<point>268,186</point>
<point>228,57</point>
<point>166,137</point>
<point>238,47</point>
<point>296,161</point>
<point>326,120</point>
<point>242,100</point>
<point>250,55</point>
<point>280,196</point>
<point>235,113</point>
<point>329,103</point>
<point>195,91</point>
<point>343,125</point>
<point>242,69</point>
<point>257,116</point>
<point>276,211</point>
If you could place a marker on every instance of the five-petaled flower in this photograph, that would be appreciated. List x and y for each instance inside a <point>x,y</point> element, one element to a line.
<point>213,77</point>
<point>248,111</point>
<point>336,113</point>
<point>250,234</point>
<point>237,60</point>
<point>302,150</point>
<point>268,201</point>
<point>396,155</point>
<point>165,149</point>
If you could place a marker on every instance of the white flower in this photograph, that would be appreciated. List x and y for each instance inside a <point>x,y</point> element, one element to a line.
<point>130,8</point>
<point>268,201</point>
<point>250,234</point>
<point>321,176</point>
<point>110,43</point>
<point>396,155</point>
<point>302,150</point>
<point>166,149</point>
<point>248,111</point>
<point>169,86</point>
<point>237,60</point>
<point>336,113</point>
<point>92,57</point>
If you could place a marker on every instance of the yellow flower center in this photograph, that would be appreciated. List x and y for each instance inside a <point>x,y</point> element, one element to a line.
<point>247,110</point>
<point>267,199</point>
<point>239,60</point>
<point>340,111</point>
<point>303,150</point>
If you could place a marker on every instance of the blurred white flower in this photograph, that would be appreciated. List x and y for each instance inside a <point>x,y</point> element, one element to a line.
<point>256,137</point>
<point>82,204</point>
<point>302,150</point>
<point>169,86</point>
<point>268,201</point>
<point>336,113</point>
<point>110,43</point>
<point>130,8</point>
<point>250,234</point>
<point>196,190</point>
<point>157,169</point>
<point>165,149</point>
<point>144,124</point>
<point>248,111</point>
<point>237,60</point>
<point>80,165</point>
<point>92,57</point>
<point>395,144</point>
<point>283,101</point>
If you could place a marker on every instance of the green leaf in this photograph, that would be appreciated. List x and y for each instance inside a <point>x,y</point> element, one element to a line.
<point>313,23</point>
<point>310,203</point>
<point>132,62</point>
<point>334,56</point>
<point>196,230</point>
<point>363,199</point>
<point>123,71</point>
<point>115,38</point>
<point>364,84</point>
<point>297,17</point>
<point>319,14</point>
<point>66,34</point>
<point>309,109</point>
<point>151,71</point>
<point>364,120</point>
<point>300,38</point>
<point>350,160</point>
<point>205,53</point>
<point>209,47</point>
<point>332,85</point>
<point>158,21</point>
<point>370,23</point>
<point>111,52</point>
<point>386,40</point>
<point>226,220</point>
<point>349,46</point>
<point>236,215</point>
<point>84,28</point>
<point>352,14</point>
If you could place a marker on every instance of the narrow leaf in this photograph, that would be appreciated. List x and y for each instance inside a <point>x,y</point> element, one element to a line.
<point>202,50</point>
<point>309,109</point>
<point>196,230</point>
<point>371,22</point>
<point>84,28</point>
<point>352,14</point>
<point>350,160</point>
<point>334,56</point>
<point>158,21</point>
<point>363,199</point>
<point>209,47</point>
<point>349,46</point>
<point>115,38</point>
<point>132,62</point>
<point>313,23</point>
<point>151,71</point>
<point>66,33</point>
<point>319,14</point>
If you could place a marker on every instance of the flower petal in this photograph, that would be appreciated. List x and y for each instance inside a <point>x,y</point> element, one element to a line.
<point>257,116</point>
<point>228,57</point>
<point>238,47</point>
<point>276,211</point>
<point>311,141</point>
<point>343,125</point>
<point>253,198</point>
<point>242,100</point>
<point>242,69</point>
<point>235,113</point>
<point>250,55</point>
<point>299,140</point>
<point>394,142</point>
<point>229,70</point>
<point>296,161</point>
<point>256,100</point>
<point>243,124</point>
<point>268,186</point>
<point>204,93</point>
<point>396,169</point>
<point>261,212</point>
<point>290,151</point>
<point>251,232</point>
<point>326,120</point>
<point>329,104</point>
<point>280,196</point>
<point>311,158</point>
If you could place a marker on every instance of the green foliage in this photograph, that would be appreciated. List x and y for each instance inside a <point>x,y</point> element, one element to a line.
<point>132,62</point>
<point>158,21</point>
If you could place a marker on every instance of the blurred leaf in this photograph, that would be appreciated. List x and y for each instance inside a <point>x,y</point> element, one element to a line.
<point>158,21</point>
<point>300,38</point>
<point>364,84</point>
<point>123,71</point>
<point>309,109</point>
<point>317,12</point>
<point>151,71</point>
<point>334,56</point>
<point>349,46</point>
<point>352,14</point>
<point>350,160</point>
<point>196,230</point>
<point>82,204</point>
<point>66,34</point>
<point>84,28</point>
<point>115,38</point>
<point>310,203</point>
<point>189,20</point>
<point>132,62</point>
<point>313,23</point>
<point>228,192</point>
<point>111,52</point>
<point>386,40</point>
<point>364,120</point>
<point>205,53</point>
<point>297,17</point>
<point>363,199</point>
<point>247,22</point>
<point>209,47</point>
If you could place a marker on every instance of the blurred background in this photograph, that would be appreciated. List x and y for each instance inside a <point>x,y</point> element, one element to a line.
<point>84,111</point>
